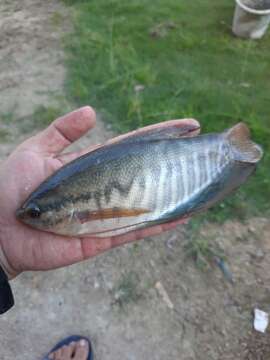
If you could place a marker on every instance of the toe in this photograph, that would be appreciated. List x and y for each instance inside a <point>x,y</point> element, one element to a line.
<point>68,351</point>
<point>82,350</point>
<point>73,348</point>
<point>58,355</point>
<point>51,356</point>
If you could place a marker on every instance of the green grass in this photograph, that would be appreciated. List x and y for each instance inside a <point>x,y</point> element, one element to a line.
<point>126,291</point>
<point>201,249</point>
<point>7,118</point>
<point>44,115</point>
<point>57,19</point>
<point>4,134</point>
<point>187,64</point>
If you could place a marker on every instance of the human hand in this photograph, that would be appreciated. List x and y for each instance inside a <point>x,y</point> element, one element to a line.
<point>24,248</point>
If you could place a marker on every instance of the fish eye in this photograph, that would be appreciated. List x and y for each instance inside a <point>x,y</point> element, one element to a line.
<point>33,211</point>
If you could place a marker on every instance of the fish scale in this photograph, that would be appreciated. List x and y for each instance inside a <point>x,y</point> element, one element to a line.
<point>151,178</point>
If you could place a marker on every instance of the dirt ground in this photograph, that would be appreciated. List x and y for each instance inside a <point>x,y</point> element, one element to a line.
<point>114,299</point>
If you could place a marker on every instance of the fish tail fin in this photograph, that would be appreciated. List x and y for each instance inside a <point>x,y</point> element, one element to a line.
<point>245,150</point>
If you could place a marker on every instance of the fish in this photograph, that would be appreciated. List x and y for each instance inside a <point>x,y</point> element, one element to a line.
<point>151,177</point>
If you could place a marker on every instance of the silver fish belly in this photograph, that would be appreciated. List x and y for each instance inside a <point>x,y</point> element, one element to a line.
<point>141,181</point>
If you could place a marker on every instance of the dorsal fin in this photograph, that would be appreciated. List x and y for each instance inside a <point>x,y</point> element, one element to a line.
<point>160,133</point>
<point>244,148</point>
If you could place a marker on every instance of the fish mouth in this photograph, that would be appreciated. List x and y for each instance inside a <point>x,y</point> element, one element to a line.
<point>20,213</point>
<point>31,211</point>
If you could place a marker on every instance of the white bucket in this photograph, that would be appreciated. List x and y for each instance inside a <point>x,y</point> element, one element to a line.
<point>251,18</point>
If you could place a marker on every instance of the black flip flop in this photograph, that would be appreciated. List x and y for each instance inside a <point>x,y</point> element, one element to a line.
<point>69,340</point>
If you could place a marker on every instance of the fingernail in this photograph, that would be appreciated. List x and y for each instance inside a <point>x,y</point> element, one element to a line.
<point>82,343</point>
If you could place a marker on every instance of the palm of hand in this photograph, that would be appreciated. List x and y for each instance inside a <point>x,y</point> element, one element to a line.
<point>24,248</point>
<point>34,249</point>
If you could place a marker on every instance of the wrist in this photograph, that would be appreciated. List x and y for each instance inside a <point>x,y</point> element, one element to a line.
<point>6,296</point>
<point>6,273</point>
<point>7,268</point>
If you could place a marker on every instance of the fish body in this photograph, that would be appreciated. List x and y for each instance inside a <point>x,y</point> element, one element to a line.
<point>147,179</point>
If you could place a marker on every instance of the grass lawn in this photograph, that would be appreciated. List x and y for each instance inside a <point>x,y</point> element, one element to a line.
<point>139,62</point>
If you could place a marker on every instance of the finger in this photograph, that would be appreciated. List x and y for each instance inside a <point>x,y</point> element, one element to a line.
<point>63,131</point>
<point>65,158</point>
<point>93,246</point>
<point>143,233</point>
<point>53,251</point>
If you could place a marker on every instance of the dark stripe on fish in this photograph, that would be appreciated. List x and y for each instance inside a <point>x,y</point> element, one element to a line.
<point>85,216</point>
<point>58,204</point>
